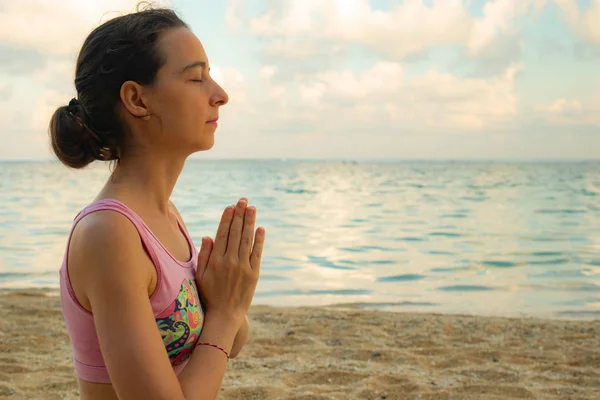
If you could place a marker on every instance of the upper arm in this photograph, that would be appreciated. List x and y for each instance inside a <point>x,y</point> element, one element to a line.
<point>116,284</point>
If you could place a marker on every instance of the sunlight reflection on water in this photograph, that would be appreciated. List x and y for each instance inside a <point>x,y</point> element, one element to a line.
<point>484,238</point>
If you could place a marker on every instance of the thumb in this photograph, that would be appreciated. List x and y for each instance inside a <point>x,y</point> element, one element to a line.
<point>204,255</point>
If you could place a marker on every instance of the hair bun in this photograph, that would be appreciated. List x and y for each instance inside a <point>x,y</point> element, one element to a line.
<point>73,141</point>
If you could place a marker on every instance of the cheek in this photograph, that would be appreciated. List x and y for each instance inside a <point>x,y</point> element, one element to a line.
<point>181,114</point>
<point>172,97</point>
<point>183,108</point>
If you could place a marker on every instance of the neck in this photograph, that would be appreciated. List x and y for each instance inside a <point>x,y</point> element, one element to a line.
<point>145,180</point>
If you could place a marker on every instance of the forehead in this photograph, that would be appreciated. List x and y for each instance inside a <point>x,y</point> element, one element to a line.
<point>181,47</point>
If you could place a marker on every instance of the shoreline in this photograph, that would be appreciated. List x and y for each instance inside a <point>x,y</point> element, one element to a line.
<point>402,307</point>
<point>333,352</point>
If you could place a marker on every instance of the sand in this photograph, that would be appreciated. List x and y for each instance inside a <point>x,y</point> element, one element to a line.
<point>340,353</point>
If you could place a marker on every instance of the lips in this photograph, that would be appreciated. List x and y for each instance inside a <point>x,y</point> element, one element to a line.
<point>212,121</point>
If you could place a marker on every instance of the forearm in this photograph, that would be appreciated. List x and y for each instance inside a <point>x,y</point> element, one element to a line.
<point>240,338</point>
<point>202,376</point>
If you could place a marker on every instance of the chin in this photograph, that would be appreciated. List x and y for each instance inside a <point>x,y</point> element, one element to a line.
<point>204,145</point>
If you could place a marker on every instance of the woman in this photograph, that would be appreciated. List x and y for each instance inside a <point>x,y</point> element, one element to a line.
<point>149,317</point>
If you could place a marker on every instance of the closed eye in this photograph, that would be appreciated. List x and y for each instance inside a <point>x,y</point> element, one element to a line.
<point>197,80</point>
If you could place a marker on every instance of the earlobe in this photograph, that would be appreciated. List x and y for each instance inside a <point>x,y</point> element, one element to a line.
<point>131,94</point>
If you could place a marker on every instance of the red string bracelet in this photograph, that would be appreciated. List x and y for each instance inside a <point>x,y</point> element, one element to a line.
<point>215,346</point>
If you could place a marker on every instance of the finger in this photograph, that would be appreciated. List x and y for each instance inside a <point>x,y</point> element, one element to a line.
<point>220,245</point>
<point>235,231</point>
<point>255,257</point>
<point>247,233</point>
<point>204,255</point>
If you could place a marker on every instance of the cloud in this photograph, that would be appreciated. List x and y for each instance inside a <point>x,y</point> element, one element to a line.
<point>387,111</point>
<point>587,22</point>
<point>583,111</point>
<point>303,58</point>
<point>231,19</point>
<point>408,29</point>
<point>498,18</point>
<point>381,98</point>
<point>439,100</point>
<point>267,71</point>
<point>382,80</point>
<point>19,61</point>
<point>397,33</point>
<point>5,95</point>
<point>58,74</point>
<point>572,112</point>
<point>492,59</point>
<point>43,108</point>
<point>25,24</point>
<point>586,51</point>
<point>5,92</point>
<point>563,105</point>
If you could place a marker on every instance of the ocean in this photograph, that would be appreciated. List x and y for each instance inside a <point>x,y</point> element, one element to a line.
<point>484,238</point>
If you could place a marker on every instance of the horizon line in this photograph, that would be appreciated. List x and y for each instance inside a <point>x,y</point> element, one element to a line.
<point>349,159</point>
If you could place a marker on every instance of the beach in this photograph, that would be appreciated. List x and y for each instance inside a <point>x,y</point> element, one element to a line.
<point>339,352</point>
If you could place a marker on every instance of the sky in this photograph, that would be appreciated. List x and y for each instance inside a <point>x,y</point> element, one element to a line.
<point>349,79</point>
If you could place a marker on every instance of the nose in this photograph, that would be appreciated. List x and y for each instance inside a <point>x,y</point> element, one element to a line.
<point>219,97</point>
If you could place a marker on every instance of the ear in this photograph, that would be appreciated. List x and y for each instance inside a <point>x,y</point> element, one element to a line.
<point>132,96</point>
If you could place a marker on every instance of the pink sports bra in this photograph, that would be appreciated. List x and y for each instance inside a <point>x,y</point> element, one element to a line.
<point>177,309</point>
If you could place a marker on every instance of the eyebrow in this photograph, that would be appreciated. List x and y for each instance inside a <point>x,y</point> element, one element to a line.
<point>194,65</point>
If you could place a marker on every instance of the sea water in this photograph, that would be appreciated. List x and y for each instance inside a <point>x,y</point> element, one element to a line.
<point>488,238</point>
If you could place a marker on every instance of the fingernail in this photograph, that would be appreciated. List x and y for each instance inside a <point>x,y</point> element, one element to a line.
<point>250,211</point>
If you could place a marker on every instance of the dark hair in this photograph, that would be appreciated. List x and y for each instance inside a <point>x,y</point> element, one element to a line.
<point>121,49</point>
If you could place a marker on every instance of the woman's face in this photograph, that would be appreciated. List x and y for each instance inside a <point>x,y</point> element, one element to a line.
<point>184,99</point>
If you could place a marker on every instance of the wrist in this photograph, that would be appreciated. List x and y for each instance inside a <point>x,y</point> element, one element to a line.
<point>220,330</point>
<point>225,318</point>
<point>215,346</point>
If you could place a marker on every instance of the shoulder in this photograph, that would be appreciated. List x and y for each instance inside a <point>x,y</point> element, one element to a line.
<point>104,230</point>
<point>105,246</point>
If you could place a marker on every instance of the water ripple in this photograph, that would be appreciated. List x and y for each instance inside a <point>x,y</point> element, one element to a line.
<point>324,262</point>
<point>546,253</point>
<point>401,278</point>
<point>500,264</point>
<point>411,239</point>
<point>560,211</point>
<point>580,313</point>
<point>560,274</point>
<point>450,269</point>
<point>553,261</point>
<point>445,234</point>
<point>267,277</point>
<point>454,216</point>
<point>296,292</point>
<point>383,262</point>
<point>464,288</point>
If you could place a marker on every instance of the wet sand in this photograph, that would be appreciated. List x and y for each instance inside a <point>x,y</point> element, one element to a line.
<point>340,353</point>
